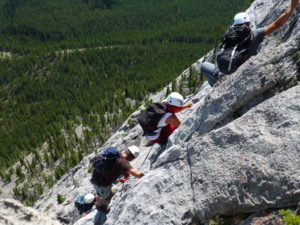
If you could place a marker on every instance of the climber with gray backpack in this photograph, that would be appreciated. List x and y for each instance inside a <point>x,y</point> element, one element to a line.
<point>240,42</point>
<point>159,120</point>
<point>108,167</point>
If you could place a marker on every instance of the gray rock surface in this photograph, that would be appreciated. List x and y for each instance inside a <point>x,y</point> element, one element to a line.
<point>77,181</point>
<point>261,73</point>
<point>237,150</point>
<point>247,166</point>
<point>14,213</point>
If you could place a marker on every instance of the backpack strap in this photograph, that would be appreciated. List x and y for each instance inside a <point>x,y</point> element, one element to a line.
<point>231,58</point>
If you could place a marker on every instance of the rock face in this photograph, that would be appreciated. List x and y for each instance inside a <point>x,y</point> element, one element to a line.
<point>247,166</point>
<point>14,213</point>
<point>237,150</point>
<point>274,66</point>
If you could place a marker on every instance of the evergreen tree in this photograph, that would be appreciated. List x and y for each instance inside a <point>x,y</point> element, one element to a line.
<point>19,173</point>
<point>174,86</point>
<point>168,91</point>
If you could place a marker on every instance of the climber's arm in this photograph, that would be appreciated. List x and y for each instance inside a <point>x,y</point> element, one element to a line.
<point>185,106</point>
<point>136,173</point>
<point>173,120</point>
<point>282,18</point>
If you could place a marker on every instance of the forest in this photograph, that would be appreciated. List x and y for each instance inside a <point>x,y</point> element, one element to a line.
<point>33,24</point>
<point>67,63</point>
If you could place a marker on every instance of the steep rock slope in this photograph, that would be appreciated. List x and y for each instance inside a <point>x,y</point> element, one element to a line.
<point>242,165</point>
<point>77,181</point>
<point>236,152</point>
<point>252,80</point>
<point>272,67</point>
<point>14,213</point>
<point>247,166</point>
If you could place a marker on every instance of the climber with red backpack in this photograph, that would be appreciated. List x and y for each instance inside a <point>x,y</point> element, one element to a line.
<point>159,120</point>
<point>107,168</point>
<point>241,42</point>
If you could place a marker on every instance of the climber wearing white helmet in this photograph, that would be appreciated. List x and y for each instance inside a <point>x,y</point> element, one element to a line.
<point>85,203</point>
<point>241,41</point>
<point>241,18</point>
<point>159,121</point>
<point>108,167</point>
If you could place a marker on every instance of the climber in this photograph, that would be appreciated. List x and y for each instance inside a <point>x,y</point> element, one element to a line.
<point>240,43</point>
<point>107,168</point>
<point>84,204</point>
<point>159,121</point>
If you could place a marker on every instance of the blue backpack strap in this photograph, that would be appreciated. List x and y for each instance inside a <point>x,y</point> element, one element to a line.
<point>105,160</point>
<point>79,199</point>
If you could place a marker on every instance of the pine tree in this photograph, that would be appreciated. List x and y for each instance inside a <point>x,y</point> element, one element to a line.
<point>174,86</point>
<point>168,91</point>
<point>19,173</point>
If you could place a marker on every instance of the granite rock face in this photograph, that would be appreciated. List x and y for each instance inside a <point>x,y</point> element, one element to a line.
<point>237,150</point>
<point>14,213</point>
<point>258,75</point>
<point>211,167</point>
<point>250,165</point>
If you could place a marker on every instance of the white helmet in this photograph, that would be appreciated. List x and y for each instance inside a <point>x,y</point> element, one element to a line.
<point>89,198</point>
<point>241,18</point>
<point>175,99</point>
<point>134,151</point>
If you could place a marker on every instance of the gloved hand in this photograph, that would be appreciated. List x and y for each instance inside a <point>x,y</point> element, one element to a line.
<point>124,180</point>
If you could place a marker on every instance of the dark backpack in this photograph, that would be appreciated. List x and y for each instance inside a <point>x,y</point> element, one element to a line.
<point>103,163</point>
<point>235,48</point>
<point>150,117</point>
